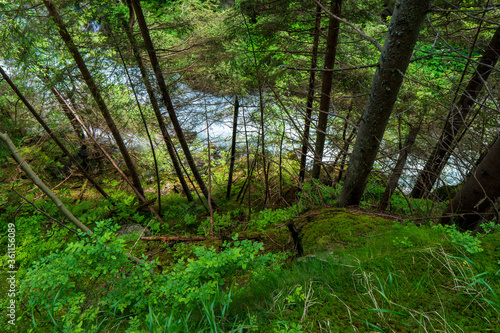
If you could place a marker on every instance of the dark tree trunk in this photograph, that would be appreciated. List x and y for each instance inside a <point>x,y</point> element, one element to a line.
<point>456,120</point>
<point>233,148</point>
<point>310,96</point>
<point>166,97</point>
<point>156,109</point>
<point>477,194</point>
<point>326,87</point>
<point>401,38</point>
<point>51,134</point>
<point>398,169</point>
<point>63,32</point>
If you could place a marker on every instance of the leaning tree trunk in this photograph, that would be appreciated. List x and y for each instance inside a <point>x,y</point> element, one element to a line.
<point>401,38</point>
<point>51,134</point>
<point>45,189</point>
<point>156,109</point>
<point>61,28</point>
<point>310,96</point>
<point>456,120</point>
<point>326,87</point>
<point>233,148</point>
<point>166,96</point>
<point>477,194</point>
<point>398,169</point>
<point>42,186</point>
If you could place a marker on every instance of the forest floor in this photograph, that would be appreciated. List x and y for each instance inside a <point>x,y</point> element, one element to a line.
<point>309,267</point>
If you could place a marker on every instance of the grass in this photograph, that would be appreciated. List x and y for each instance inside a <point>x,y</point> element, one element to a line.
<point>378,285</point>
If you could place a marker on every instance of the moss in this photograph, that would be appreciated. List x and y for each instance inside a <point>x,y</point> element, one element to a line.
<point>338,228</point>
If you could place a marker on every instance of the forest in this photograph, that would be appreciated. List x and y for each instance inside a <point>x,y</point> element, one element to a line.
<point>281,166</point>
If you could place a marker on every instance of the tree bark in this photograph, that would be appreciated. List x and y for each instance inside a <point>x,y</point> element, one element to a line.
<point>166,97</point>
<point>51,134</point>
<point>456,120</point>
<point>310,96</point>
<point>398,169</point>
<point>156,109</point>
<point>63,32</point>
<point>478,192</point>
<point>326,87</point>
<point>233,148</point>
<point>401,38</point>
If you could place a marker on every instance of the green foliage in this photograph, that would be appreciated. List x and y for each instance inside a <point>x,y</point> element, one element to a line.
<point>471,243</point>
<point>192,280</point>
<point>269,217</point>
<point>316,194</point>
<point>403,243</point>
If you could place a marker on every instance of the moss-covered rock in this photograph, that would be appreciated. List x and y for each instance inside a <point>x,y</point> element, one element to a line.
<point>339,228</point>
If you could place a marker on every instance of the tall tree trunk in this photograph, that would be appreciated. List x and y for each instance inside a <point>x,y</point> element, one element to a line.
<point>156,109</point>
<point>401,38</point>
<point>166,97</point>
<point>478,192</point>
<point>51,134</point>
<point>326,87</point>
<point>63,32</point>
<point>233,148</point>
<point>456,120</point>
<point>398,169</point>
<point>310,96</point>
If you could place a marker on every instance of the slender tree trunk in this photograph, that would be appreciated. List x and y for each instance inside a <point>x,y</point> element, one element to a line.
<point>326,87</point>
<point>45,189</point>
<point>41,185</point>
<point>156,109</point>
<point>166,97</point>
<point>347,143</point>
<point>51,134</point>
<point>401,38</point>
<point>310,96</point>
<point>456,120</point>
<point>398,169</point>
<point>151,145</point>
<point>66,37</point>
<point>477,194</point>
<point>233,148</point>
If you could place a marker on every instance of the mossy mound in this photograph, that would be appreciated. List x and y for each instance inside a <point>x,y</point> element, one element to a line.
<point>326,229</point>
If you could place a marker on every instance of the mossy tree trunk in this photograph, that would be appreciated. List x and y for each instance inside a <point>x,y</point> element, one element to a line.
<point>401,38</point>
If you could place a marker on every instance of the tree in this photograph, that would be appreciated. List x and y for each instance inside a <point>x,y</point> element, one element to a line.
<point>310,96</point>
<point>166,96</point>
<point>94,91</point>
<point>456,120</point>
<point>400,40</point>
<point>326,86</point>
<point>58,142</point>
<point>477,194</point>
<point>156,108</point>
<point>398,169</point>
